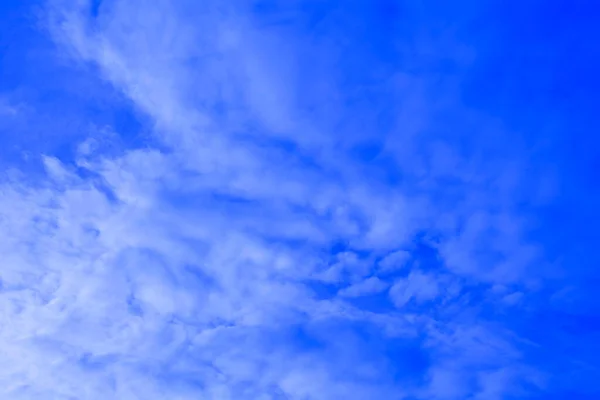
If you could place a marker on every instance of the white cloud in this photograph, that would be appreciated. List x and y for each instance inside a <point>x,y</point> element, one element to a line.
<point>394,261</point>
<point>369,286</point>
<point>183,270</point>
<point>7,109</point>
<point>418,286</point>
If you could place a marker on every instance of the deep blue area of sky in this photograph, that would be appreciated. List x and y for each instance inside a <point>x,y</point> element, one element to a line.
<point>537,69</point>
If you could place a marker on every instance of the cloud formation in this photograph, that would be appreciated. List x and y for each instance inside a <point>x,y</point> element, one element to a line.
<point>314,214</point>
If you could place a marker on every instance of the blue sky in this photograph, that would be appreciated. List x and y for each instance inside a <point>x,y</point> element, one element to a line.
<point>299,200</point>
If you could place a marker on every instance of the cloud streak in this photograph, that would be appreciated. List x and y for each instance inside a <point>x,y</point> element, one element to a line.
<point>310,218</point>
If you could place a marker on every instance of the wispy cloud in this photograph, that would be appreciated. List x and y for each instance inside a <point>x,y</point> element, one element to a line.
<point>311,218</point>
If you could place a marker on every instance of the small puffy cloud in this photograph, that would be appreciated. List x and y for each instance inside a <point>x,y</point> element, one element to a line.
<point>394,261</point>
<point>367,287</point>
<point>56,170</point>
<point>347,266</point>
<point>417,286</point>
<point>7,109</point>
